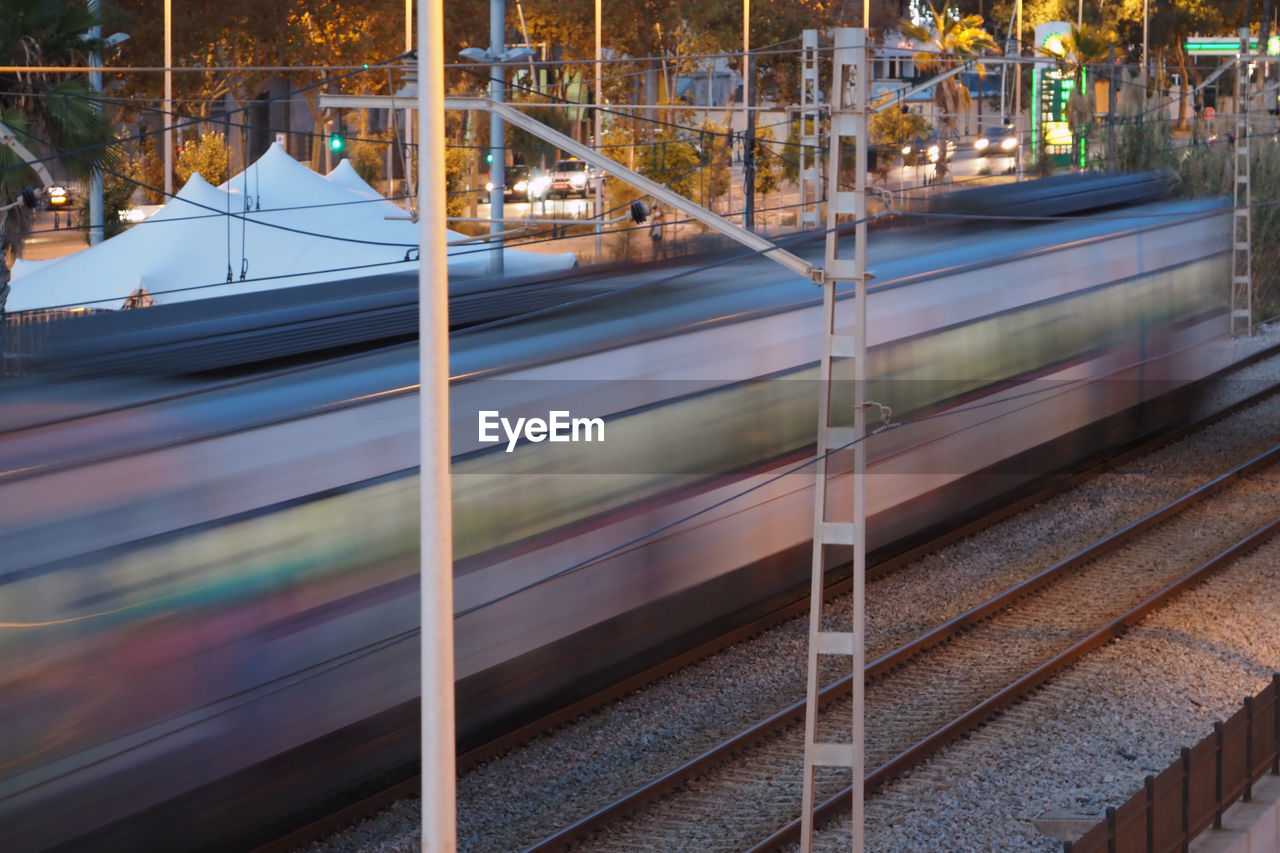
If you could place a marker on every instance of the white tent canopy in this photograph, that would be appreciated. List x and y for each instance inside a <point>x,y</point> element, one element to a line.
<point>277,224</point>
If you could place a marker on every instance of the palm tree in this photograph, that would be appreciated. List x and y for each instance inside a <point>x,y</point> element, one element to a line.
<point>949,42</point>
<point>48,114</point>
<point>1084,46</point>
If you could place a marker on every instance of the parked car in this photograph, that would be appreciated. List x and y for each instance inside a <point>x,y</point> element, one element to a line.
<point>522,183</point>
<point>995,140</point>
<point>573,177</point>
<point>59,196</point>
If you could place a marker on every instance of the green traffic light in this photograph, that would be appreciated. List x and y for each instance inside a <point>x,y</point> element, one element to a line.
<point>335,143</point>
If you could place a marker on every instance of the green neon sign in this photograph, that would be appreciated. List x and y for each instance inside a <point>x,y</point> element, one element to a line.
<point>1229,46</point>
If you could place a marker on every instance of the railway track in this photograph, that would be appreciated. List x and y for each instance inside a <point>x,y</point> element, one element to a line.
<point>574,790</point>
<point>603,813</point>
<point>976,664</point>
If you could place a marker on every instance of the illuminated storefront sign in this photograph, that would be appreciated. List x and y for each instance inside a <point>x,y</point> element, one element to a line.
<point>1051,93</point>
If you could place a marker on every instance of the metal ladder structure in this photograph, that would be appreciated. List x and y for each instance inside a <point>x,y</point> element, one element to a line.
<point>1242,220</point>
<point>848,124</point>
<point>810,130</point>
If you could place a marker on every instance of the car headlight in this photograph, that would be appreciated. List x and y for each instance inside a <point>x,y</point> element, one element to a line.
<point>521,186</point>
<point>1009,143</point>
<point>982,144</point>
<point>906,149</point>
<point>489,187</point>
<point>933,151</point>
<point>578,180</point>
<point>538,185</point>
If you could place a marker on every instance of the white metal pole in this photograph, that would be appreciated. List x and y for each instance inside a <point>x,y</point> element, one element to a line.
<point>497,74</point>
<point>596,145</point>
<point>439,821</point>
<point>168,100</point>
<point>862,95</point>
<point>746,96</point>
<point>849,114</point>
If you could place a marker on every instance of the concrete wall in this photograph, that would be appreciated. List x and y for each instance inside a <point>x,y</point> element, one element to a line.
<point>1252,827</point>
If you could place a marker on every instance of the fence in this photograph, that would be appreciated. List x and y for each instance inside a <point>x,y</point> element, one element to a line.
<point>23,333</point>
<point>1191,795</point>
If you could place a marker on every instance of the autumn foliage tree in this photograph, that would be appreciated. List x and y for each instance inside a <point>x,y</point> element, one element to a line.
<point>206,155</point>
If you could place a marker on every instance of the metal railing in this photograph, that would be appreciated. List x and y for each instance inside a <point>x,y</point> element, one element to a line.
<point>1192,794</point>
<point>23,333</point>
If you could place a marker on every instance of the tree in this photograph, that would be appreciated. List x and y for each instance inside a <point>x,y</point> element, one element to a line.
<point>1083,47</point>
<point>670,157</point>
<point>310,35</point>
<point>894,128</point>
<point>52,115</point>
<point>206,155</point>
<point>948,43</point>
<point>768,163</point>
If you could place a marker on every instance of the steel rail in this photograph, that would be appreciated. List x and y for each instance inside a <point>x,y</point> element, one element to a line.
<point>838,804</point>
<point>794,714</point>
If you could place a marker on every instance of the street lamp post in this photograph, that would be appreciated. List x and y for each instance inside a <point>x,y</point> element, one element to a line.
<point>497,55</point>
<point>97,232</point>
<point>95,85</point>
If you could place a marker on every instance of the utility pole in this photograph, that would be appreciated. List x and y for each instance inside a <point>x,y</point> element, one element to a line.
<point>497,154</point>
<point>749,168</point>
<point>810,188</point>
<point>439,788</point>
<point>746,95</point>
<point>849,95</point>
<point>1241,220</point>
<point>598,124</point>
<point>1111,110</point>
<point>1017,84</point>
<point>95,85</point>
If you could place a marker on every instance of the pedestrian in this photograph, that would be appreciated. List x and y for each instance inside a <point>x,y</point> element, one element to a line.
<point>656,230</point>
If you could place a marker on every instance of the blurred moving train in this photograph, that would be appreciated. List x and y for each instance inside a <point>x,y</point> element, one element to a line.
<point>200,573</point>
